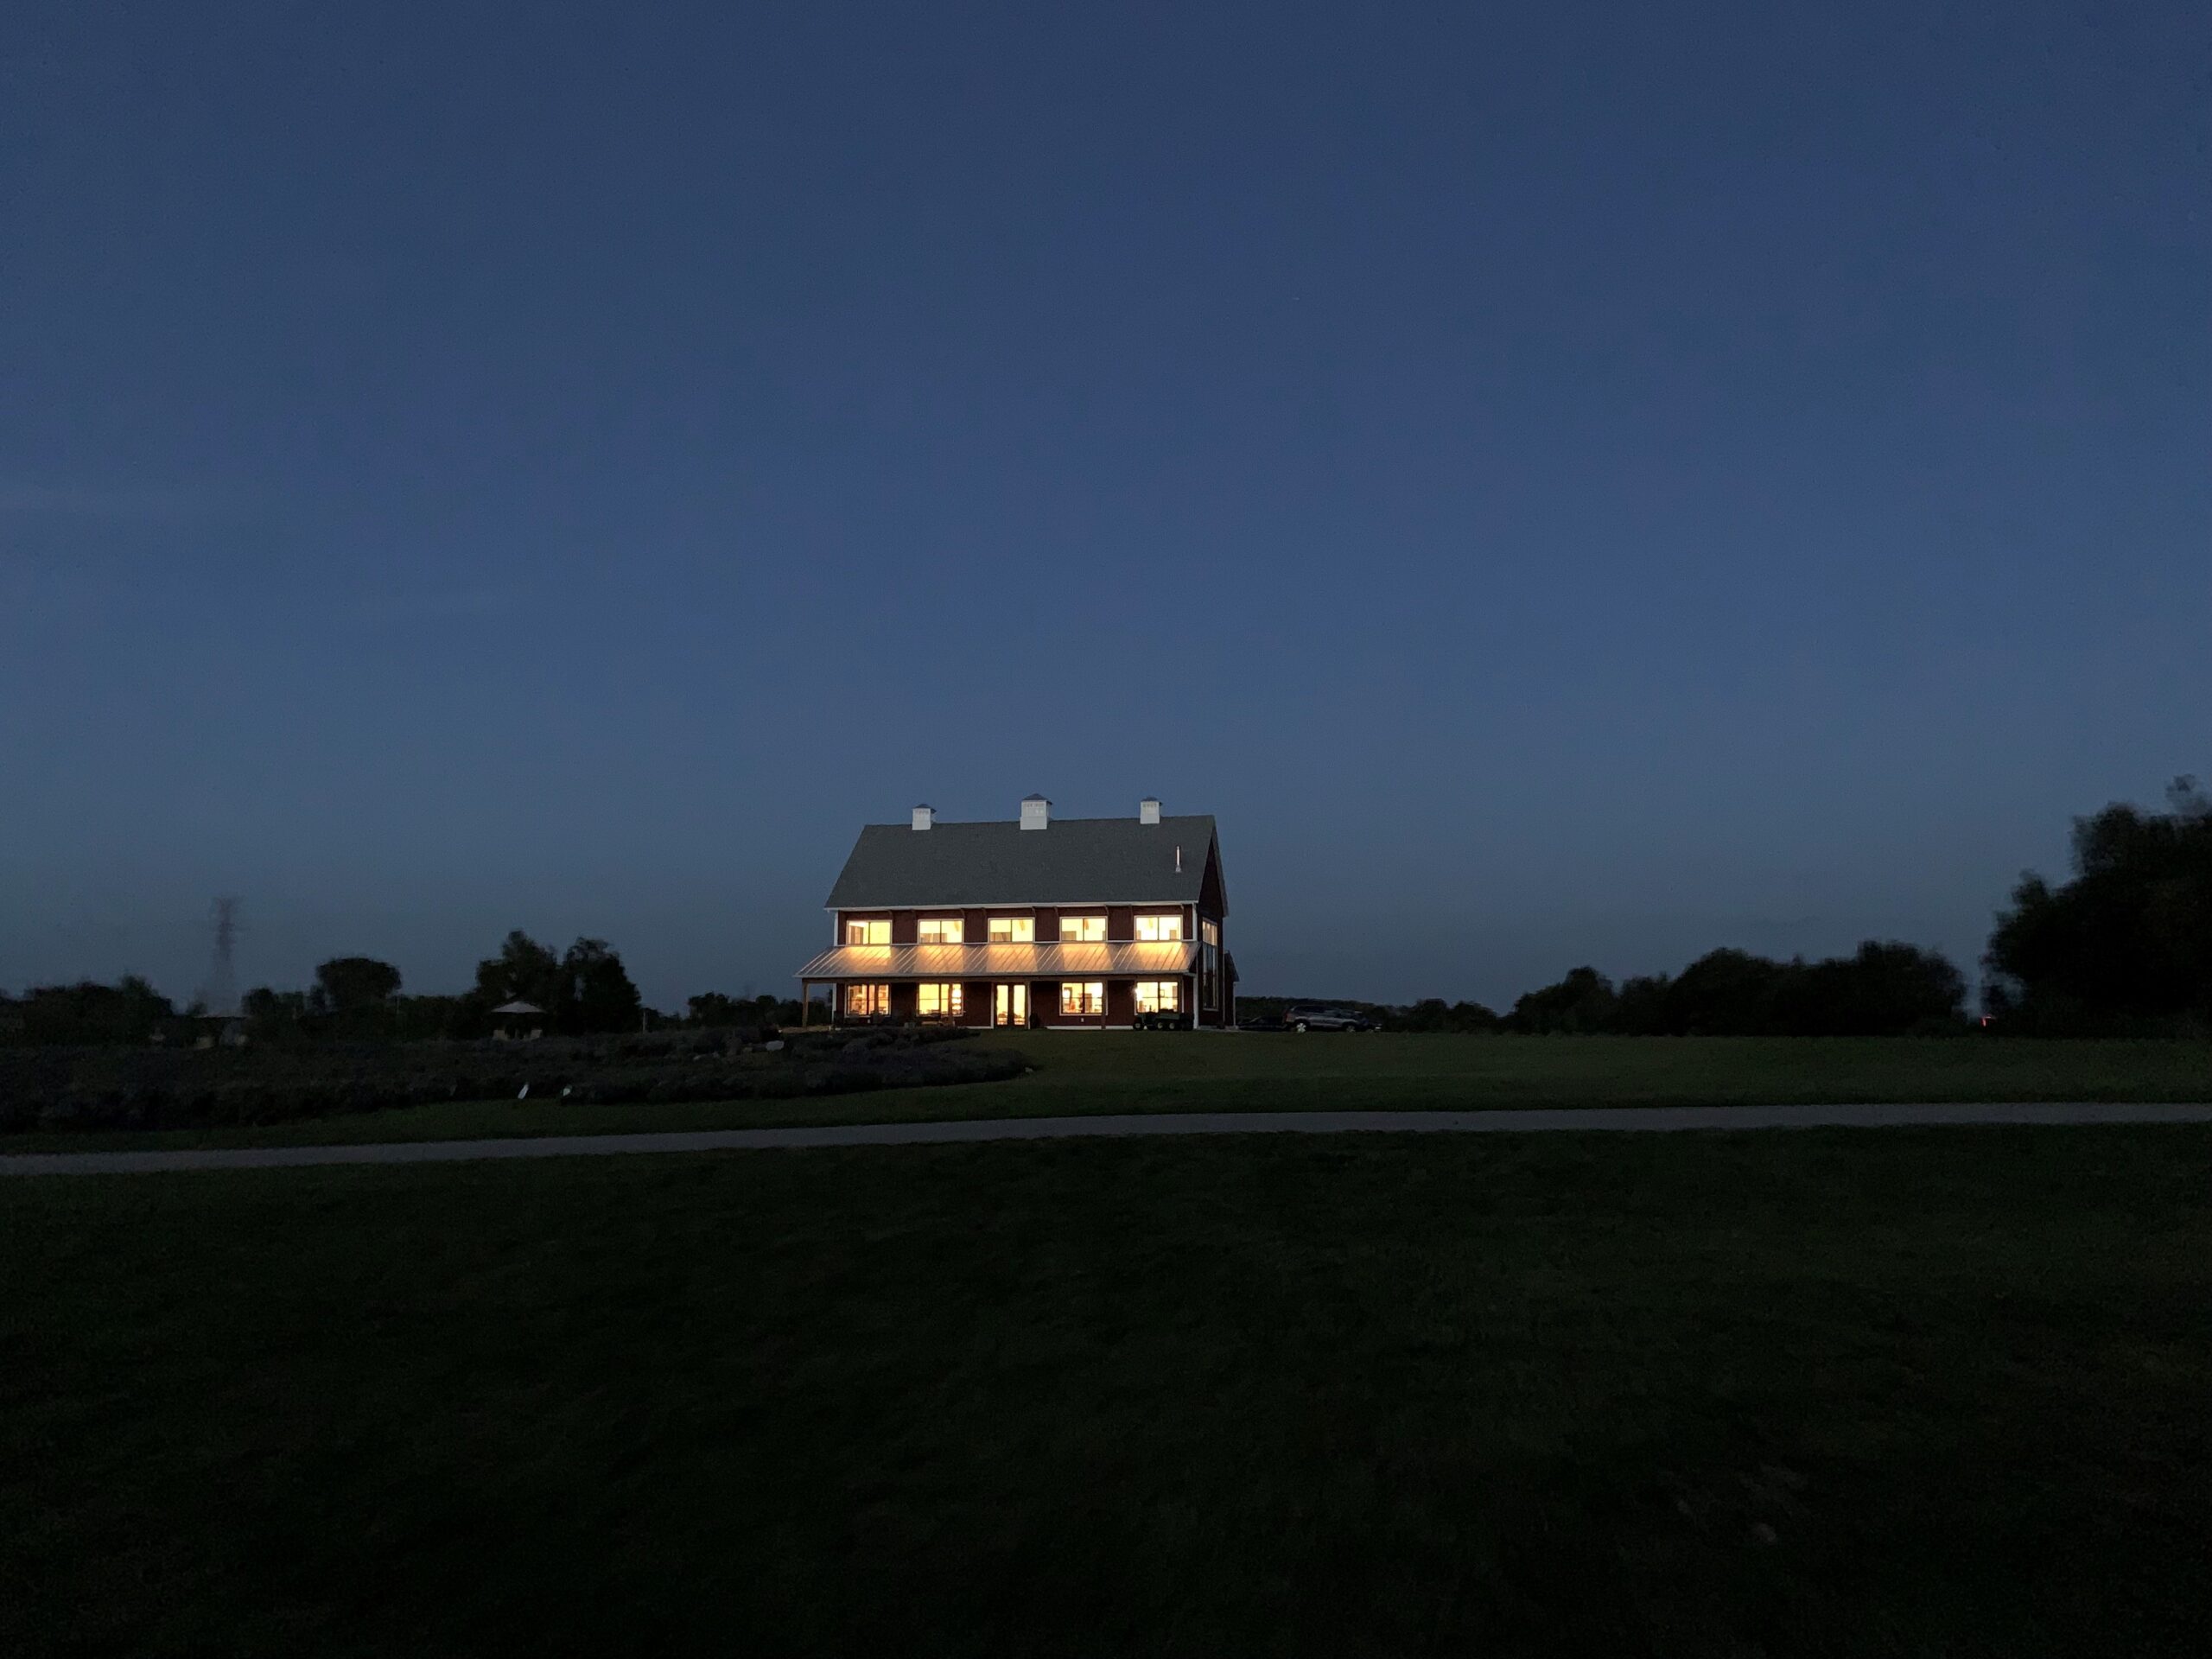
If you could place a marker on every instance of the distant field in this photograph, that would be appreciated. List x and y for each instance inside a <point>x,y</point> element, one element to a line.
<point>1113,1071</point>
<point>1825,1393</point>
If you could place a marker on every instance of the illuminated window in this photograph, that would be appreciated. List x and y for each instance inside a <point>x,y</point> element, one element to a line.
<point>1211,932</point>
<point>1160,996</point>
<point>1209,965</point>
<point>1088,996</point>
<point>1082,930</point>
<point>940,1002</point>
<point>867,1001</point>
<point>1159,928</point>
<point>942,930</point>
<point>876,932</point>
<point>1014,930</point>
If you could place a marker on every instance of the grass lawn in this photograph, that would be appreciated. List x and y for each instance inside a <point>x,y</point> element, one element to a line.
<point>1145,1071</point>
<point>1902,1391</point>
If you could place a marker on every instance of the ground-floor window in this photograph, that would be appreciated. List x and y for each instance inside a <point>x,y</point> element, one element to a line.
<point>1160,996</point>
<point>867,1001</point>
<point>1082,996</point>
<point>940,1002</point>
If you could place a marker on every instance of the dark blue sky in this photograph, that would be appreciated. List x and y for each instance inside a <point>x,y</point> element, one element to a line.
<point>1559,482</point>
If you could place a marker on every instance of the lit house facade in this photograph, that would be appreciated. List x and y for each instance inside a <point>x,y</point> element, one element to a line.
<point>1036,922</point>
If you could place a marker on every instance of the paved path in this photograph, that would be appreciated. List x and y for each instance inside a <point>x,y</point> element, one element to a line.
<point>1045,1128</point>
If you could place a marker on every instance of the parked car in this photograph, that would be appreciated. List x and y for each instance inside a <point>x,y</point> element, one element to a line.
<point>1314,1017</point>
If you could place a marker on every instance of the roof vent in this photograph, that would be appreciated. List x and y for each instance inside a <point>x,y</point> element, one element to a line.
<point>925,817</point>
<point>1148,811</point>
<point>1036,812</point>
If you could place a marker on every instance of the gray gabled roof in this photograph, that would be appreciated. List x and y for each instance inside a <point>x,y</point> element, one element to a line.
<point>1075,861</point>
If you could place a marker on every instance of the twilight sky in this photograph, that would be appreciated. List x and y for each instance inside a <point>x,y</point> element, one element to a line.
<point>1559,482</point>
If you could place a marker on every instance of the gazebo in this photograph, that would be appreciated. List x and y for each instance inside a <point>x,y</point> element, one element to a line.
<point>518,1021</point>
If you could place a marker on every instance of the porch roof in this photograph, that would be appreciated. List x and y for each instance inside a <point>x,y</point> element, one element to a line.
<point>1141,959</point>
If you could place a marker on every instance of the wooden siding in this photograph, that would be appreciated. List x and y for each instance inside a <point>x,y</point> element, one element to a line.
<point>1211,893</point>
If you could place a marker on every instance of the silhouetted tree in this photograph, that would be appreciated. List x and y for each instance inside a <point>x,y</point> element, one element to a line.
<point>1434,1014</point>
<point>1887,989</point>
<point>714,1011</point>
<point>1725,993</point>
<point>524,970</point>
<point>129,1011</point>
<point>352,996</point>
<point>1583,1001</point>
<point>1642,1008</point>
<point>2127,943</point>
<point>345,984</point>
<point>274,1016</point>
<point>417,1018</point>
<point>599,994</point>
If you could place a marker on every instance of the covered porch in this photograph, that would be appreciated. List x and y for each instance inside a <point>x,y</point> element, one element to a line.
<point>1026,1003</point>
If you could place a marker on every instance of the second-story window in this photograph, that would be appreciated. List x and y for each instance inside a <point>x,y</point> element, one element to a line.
<point>1082,930</point>
<point>1166,925</point>
<point>876,932</point>
<point>941,929</point>
<point>1013,929</point>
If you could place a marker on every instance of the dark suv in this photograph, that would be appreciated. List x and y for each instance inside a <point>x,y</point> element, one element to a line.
<point>1315,1017</point>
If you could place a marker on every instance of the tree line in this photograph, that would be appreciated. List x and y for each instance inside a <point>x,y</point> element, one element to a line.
<point>581,991</point>
<point>2122,949</point>
<point>1884,990</point>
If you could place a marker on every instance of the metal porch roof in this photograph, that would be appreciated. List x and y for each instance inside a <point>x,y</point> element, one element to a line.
<point>962,962</point>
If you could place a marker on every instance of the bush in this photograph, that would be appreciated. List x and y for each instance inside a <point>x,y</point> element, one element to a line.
<point>151,1088</point>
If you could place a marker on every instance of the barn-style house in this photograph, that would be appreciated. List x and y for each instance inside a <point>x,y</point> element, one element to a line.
<point>1099,923</point>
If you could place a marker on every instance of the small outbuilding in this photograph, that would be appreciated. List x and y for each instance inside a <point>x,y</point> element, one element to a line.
<point>518,1021</point>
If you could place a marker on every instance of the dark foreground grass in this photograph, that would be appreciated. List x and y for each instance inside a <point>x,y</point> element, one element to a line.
<point>1816,1393</point>
<point>1090,1072</point>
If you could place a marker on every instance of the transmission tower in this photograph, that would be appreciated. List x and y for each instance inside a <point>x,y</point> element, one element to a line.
<point>218,994</point>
